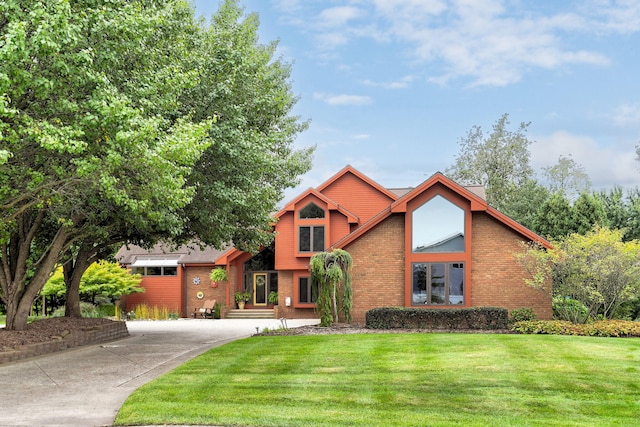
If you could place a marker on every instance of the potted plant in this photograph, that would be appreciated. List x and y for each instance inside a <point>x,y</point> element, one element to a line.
<point>242,298</point>
<point>273,297</point>
<point>217,276</point>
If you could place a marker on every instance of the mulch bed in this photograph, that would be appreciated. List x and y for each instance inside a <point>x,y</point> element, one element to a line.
<point>46,330</point>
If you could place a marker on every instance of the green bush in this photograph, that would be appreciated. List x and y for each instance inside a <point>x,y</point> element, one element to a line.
<point>601,328</point>
<point>522,314</point>
<point>421,318</point>
<point>629,310</point>
<point>86,310</point>
<point>565,308</point>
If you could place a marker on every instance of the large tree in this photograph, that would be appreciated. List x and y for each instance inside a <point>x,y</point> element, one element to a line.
<point>241,178</point>
<point>567,177</point>
<point>78,150</point>
<point>105,108</point>
<point>499,160</point>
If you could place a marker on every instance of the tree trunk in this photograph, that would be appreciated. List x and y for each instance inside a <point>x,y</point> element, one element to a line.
<point>72,272</point>
<point>74,269</point>
<point>20,290</point>
<point>334,302</point>
<point>17,314</point>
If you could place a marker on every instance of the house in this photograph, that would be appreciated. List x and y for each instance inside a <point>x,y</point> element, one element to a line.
<point>438,245</point>
<point>167,274</point>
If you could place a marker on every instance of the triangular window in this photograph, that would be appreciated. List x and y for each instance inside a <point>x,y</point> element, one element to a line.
<point>311,211</point>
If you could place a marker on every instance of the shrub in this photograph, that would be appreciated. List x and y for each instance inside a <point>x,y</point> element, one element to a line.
<point>602,328</point>
<point>565,308</point>
<point>420,318</point>
<point>629,310</point>
<point>522,314</point>
<point>146,312</point>
<point>86,310</point>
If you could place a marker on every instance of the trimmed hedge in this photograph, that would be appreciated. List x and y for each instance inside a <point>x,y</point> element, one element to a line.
<point>602,328</point>
<point>485,318</point>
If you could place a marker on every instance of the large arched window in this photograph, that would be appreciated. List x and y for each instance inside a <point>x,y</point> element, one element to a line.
<point>437,226</point>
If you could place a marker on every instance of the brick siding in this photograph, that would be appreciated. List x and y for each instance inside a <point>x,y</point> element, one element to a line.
<point>378,268</point>
<point>497,278</point>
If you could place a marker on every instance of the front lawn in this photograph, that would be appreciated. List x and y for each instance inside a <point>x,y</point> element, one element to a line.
<point>399,380</point>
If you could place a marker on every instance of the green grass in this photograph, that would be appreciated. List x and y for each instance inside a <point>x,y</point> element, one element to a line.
<point>400,380</point>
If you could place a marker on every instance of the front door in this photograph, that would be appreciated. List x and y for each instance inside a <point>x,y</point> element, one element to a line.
<point>259,289</point>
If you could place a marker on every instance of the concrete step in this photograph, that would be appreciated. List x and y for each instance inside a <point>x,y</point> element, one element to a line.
<point>251,313</point>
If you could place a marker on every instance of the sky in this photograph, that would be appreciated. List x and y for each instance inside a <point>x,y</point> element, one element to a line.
<point>391,86</point>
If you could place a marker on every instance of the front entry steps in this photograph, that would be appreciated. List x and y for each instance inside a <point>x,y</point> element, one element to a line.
<point>251,313</point>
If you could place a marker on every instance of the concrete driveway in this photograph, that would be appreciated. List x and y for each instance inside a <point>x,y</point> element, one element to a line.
<point>86,386</point>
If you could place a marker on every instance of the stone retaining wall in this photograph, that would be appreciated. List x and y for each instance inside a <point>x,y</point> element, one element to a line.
<point>96,335</point>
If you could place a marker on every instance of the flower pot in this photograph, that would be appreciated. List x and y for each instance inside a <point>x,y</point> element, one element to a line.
<point>241,305</point>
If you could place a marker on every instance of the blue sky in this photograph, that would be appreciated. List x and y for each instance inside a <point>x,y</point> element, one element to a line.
<point>390,86</point>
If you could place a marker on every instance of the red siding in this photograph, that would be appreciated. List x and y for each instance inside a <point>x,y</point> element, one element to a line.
<point>161,291</point>
<point>357,196</point>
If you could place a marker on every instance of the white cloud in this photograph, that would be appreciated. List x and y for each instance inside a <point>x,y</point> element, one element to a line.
<point>605,166</point>
<point>398,84</point>
<point>488,42</point>
<point>337,16</point>
<point>343,99</point>
<point>627,115</point>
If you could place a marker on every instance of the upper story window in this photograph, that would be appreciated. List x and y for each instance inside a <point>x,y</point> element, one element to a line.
<point>437,226</point>
<point>311,211</point>
<point>311,238</point>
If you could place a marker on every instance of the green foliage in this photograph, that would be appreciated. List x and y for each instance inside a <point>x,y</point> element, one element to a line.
<point>553,219</point>
<point>522,314</point>
<point>622,211</point>
<point>602,328</point>
<point>519,202</point>
<point>273,297</point>
<point>565,308</point>
<point>219,275</point>
<point>587,212</point>
<point>420,318</point>
<point>242,296</point>
<point>499,161</point>
<point>253,160</point>
<point>86,308</point>
<point>103,278</point>
<point>598,270</point>
<point>113,116</point>
<point>330,271</point>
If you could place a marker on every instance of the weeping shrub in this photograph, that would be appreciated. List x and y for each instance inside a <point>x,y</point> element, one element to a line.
<point>330,271</point>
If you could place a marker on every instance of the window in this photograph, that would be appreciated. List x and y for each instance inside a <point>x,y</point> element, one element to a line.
<point>311,238</point>
<point>311,211</point>
<point>437,226</point>
<point>307,293</point>
<point>155,271</point>
<point>438,283</point>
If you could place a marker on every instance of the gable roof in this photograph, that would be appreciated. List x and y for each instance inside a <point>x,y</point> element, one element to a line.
<point>184,254</point>
<point>351,170</point>
<point>331,205</point>
<point>477,204</point>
